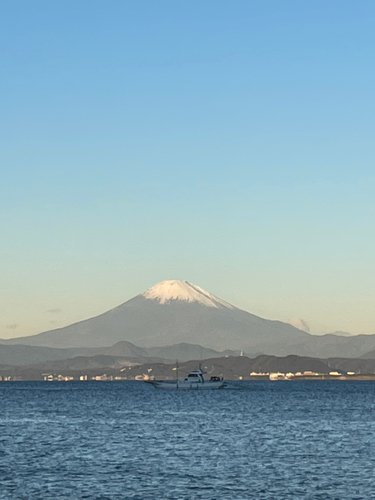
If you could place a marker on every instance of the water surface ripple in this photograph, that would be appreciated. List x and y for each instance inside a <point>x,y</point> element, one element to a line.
<point>127,440</point>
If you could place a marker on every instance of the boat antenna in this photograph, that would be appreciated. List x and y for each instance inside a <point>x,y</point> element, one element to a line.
<point>177,370</point>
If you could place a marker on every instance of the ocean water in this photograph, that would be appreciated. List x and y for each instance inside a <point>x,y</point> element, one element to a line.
<point>127,440</point>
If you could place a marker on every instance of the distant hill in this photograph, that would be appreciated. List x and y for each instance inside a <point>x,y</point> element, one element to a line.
<point>369,355</point>
<point>27,355</point>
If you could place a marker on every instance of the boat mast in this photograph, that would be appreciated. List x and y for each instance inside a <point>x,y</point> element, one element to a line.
<point>177,373</point>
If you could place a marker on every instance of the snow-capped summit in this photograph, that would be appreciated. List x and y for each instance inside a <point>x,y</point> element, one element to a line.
<point>168,290</point>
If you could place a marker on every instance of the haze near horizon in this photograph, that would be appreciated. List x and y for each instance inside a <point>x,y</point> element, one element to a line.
<point>226,144</point>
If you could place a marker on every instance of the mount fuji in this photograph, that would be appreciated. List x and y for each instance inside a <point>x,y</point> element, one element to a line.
<point>172,312</point>
<point>178,312</point>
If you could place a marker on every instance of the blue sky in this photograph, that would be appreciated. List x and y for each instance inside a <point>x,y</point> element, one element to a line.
<point>226,143</point>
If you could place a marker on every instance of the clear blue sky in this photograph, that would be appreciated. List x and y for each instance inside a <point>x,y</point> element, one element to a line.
<point>227,143</point>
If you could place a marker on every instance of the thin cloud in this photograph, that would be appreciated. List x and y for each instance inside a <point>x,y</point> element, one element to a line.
<point>54,311</point>
<point>11,327</point>
<point>299,323</point>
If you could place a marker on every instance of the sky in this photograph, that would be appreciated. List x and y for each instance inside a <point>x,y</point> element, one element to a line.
<point>230,144</point>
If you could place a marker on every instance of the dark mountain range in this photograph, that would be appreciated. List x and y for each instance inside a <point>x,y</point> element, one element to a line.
<point>332,345</point>
<point>177,312</point>
<point>27,355</point>
<point>231,367</point>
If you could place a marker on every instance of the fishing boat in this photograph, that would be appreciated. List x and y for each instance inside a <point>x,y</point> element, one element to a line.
<point>195,380</point>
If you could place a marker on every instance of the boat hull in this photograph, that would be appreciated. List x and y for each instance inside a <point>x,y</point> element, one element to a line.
<point>182,385</point>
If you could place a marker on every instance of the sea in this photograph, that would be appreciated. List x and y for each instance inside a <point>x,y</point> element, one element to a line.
<point>128,440</point>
